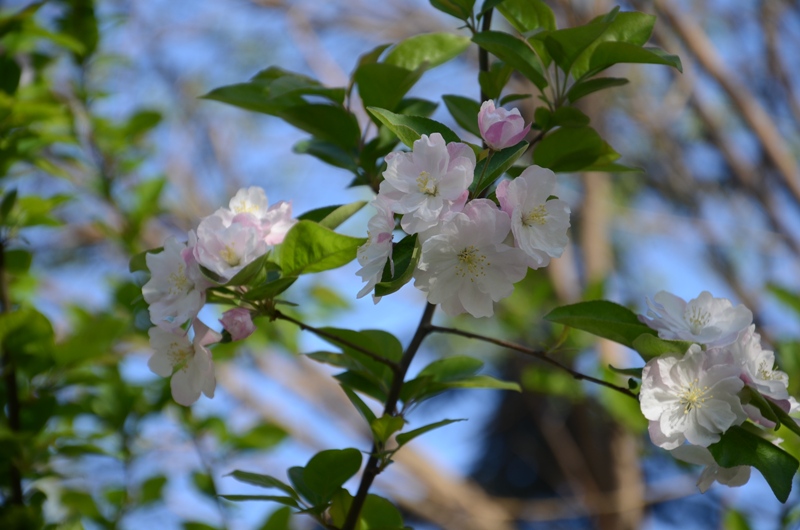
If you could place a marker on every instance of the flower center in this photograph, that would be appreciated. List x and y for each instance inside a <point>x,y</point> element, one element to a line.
<point>766,371</point>
<point>178,282</point>
<point>245,207</point>
<point>180,356</point>
<point>693,396</point>
<point>696,317</point>
<point>425,184</point>
<point>471,263</point>
<point>535,216</point>
<point>230,257</point>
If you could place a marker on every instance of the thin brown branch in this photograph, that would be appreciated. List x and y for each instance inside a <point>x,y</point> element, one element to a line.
<point>542,356</point>
<point>396,368</point>
<point>373,467</point>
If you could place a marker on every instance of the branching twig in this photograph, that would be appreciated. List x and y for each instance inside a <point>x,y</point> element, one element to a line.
<point>542,356</point>
<point>396,368</point>
<point>373,464</point>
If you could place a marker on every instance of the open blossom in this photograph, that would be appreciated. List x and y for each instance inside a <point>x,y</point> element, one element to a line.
<point>730,476</point>
<point>501,128</point>
<point>189,359</point>
<point>466,266</point>
<point>238,322</point>
<point>373,254</point>
<point>274,220</point>
<point>428,182</point>
<point>704,320</point>
<point>539,226</point>
<point>226,245</point>
<point>175,291</point>
<point>691,397</point>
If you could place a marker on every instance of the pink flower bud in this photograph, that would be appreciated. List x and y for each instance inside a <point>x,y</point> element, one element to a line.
<point>501,128</point>
<point>238,323</point>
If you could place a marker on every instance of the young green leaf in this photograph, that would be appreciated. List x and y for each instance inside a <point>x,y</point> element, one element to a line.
<point>584,88</point>
<point>515,52</point>
<point>451,368</point>
<point>496,166</point>
<point>610,53</point>
<point>332,216</point>
<point>409,128</point>
<point>384,85</point>
<point>310,247</point>
<point>327,472</point>
<point>602,318</point>
<point>635,372</point>
<point>739,447</point>
<point>286,501</point>
<point>406,437</point>
<point>464,111</point>
<point>528,15</point>
<point>461,9</point>
<point>405,256</point>
<point>432,49</point>
<point>385,426</point>
<point>493,81</point>
<point>570,149</point>
<point>264,481</point>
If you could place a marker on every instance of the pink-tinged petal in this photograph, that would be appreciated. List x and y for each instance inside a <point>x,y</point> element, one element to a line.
<point>238,322</point>
<point>184,391</point>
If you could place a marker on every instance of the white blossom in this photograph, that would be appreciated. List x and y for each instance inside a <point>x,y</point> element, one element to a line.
<point>226,245</point>
<point>539,225</point>
<point>175,292</point>
<point>465,265</point>
<point>704,320</point>
<point>188,362</point>
<point>373,254</point>
<point>691,397</point>
<point>274,220</point>
<point>730,476</point>
<point>427,182</point>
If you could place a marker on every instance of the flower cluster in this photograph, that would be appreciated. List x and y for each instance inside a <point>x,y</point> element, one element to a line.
<point>472,251</point>
<point>224,243</point>
<point>695,397</point>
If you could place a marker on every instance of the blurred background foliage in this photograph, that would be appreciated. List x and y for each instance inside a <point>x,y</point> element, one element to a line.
<point>105,149</point>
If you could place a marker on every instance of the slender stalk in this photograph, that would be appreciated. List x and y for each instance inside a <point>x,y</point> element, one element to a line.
<point>373,467</point>
<point>10,377</point>
<point>396,368</point>
<point>483,55</point>
<point>542,356</point>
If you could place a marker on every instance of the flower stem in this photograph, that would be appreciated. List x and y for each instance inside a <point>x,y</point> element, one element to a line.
<point>373,467</point>
<point>542,356</point>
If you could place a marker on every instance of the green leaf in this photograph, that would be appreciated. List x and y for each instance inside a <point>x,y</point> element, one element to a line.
<point>409,128</point>
<point>565,45</point>
<point>568,117</point>
<point>270,289</point>
<point>283,84</point>
<point>515,52</point>
<point>332,216</point>
<point>385,426</point>
<point>739,447</point>
<point>783,418</point>
<point>309,247</point>
<point>493,81</point>
<point>603,319</point>
<point>481,381</point>
<point>751,396</point>
<point>327,472</point>
<point>465,112</point>
<point>17,261</point>
<point>366,385</point>
<point>649,346</point>
<point>571,149</point>
<point>326,122</point>
<point>788,298</point>
<point>34,211</point>
<point>497,165</point>
<point>278,520</point>
<point>249,271</point>
<point>7,204</point>
<point>359,404</point>
<point>335,359</point>
<point>384,85</point>
<point>151,489</point>
<point>611,53</point>
<point>510,98</point>
<point>264,481</point>
<point>430,49</point>
<point>635,372</point>
<point>406,437</point>
<point>584,88</point>
<point>380,514</point>
<point>405,255</point>
<point>328,152</point>
<point>528,15</point>
<point>10,74</point>
<point>461,9</point>
<point>287,501</point>
<point>451,368</point>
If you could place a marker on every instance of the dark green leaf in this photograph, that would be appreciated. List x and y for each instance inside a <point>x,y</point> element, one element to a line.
<point>309,247</point>
<point>365,385</point>
<point>326,122</point>
<point>497,165</point>
<point>287,501</point>
<point>751,396</point>
<point>10,74</point>
<point>451,368</point>
<point>461,9</point>
<point>328,152</point>
<point>384,85</point>
<point>151,489</point>
<point>359,404</point>
<point>270,289</point>
<point>278,520</point>
<point>332,216</point>
<point>17,261</point>
<point>264,481</point>
<point>528,15</point>
<point>513,97</point>
<point>249,271</point>
<point>565,45</point>
<point>603,319</point>
<point>650,346</point>
<point>7,204</point>
<point>568,117</point>
<point>631,27</point>
<point>611,53</point>
<point>409,128</point>
<point>465,112</point>
<point>515,52</point>
<point>431,49</point>
<point>405,255</point>
<point>783,418</point>
<point>739,447</point>
<point>571,149</point>
<point>584,88</point>
<point>635,372</point>
<point>406,437</point>
<point>493,81</point>
<point>327,472</point>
